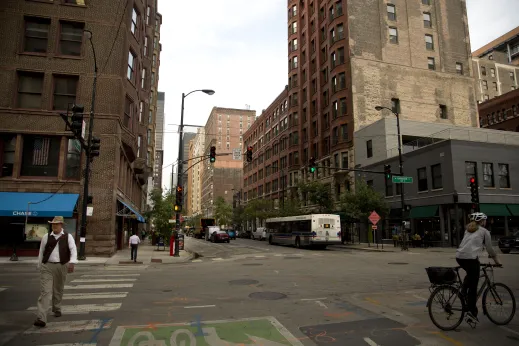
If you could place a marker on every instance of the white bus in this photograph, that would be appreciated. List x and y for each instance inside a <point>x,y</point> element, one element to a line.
<point>318,230</point>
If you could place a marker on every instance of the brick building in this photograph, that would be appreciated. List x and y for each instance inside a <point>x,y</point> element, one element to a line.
<point>496,66</point>
<point>501,113</point>
<point>159,140</point>
<point>47,65</point>
<point>195,173</point>
<point>224,130</point>
<point>345,58</point>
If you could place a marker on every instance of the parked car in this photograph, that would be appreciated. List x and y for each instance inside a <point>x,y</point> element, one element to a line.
<point>217,235</point>
<point>508,243</point>
<point>231,233</point>
<point>259,233</point>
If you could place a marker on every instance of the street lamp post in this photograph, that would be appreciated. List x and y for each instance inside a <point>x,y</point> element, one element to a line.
<point>401,164</point>
<point>82,233</point>
<point>180,168</point>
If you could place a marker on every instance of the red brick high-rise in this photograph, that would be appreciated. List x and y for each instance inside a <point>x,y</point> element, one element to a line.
<point>46,65</point>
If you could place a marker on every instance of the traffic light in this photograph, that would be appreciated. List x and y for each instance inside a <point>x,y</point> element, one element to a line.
<point>179,198</point>
<point>249,154</point>
<point>76,121</point>
<point>95,145</point>
<point>311,165</point>
<point>212,154</point>
<point>474,193</point>
<point>387,172</point>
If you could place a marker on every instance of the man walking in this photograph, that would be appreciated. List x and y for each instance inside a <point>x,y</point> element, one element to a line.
<point>134,244</point>
<point>57,257</point>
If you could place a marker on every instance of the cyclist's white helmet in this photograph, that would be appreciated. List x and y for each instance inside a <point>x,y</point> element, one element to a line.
<point>477,217</point>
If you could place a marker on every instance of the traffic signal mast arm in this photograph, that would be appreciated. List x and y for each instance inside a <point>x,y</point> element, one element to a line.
<point>355,170</point>
<point>69,126</point>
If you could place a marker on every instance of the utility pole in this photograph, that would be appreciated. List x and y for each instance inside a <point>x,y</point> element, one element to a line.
<point>82,233</point>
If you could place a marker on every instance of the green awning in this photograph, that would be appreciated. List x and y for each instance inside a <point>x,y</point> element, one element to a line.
<point>423,212</point>
<point>514,209</point>
<point>494,209</point>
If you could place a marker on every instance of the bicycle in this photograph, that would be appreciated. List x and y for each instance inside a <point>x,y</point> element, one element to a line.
<point>447,282</point>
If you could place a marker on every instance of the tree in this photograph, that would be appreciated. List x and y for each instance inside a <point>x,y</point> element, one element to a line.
<point>222,211</point>
<point>260,209</point>
<point>318,194</point>
<point>162,211</point>
<point>238,216</point>
<point>359,204</point>
<point>291,207</point>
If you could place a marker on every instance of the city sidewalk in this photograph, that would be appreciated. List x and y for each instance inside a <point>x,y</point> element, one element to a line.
<point>391,248</point>
<point>146,254</point>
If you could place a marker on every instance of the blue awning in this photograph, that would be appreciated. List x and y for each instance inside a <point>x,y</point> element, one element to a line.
<point>37,204</point>
<point>133,214</point>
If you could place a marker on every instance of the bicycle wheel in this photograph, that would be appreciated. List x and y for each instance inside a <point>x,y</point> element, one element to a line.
<point>501,296</point>
<point>450,311</point>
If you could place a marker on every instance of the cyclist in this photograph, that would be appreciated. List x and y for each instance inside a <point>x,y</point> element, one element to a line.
<point>467,255</point>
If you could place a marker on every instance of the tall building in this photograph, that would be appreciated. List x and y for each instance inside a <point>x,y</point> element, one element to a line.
<point>347,57</point>
<point>501,113</point>
<point>46,65</point>
<point>224,130</point>
<point>195,173</point>
<point>159,140</point>
<point>496,66</point>
<point>189,186</point>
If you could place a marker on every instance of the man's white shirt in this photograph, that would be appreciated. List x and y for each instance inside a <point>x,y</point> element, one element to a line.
<point>134,240</point>
<point>54,256</point>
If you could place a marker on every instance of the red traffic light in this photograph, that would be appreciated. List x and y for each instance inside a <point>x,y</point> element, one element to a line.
<point>179,188</point>
<point>249,148</point>
<point>472,180</point>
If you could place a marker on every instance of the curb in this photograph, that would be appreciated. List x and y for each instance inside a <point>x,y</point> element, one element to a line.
<point>365,249</point>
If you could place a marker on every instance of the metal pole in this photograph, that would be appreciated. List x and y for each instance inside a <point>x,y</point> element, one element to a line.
<point>82,233</point>
<point>180,166</point>
<point>401,164</point>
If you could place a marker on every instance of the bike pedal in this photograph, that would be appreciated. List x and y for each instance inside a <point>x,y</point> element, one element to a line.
<point>472,323</point>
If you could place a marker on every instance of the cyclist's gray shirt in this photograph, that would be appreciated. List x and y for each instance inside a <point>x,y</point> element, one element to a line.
<point>472,244</point>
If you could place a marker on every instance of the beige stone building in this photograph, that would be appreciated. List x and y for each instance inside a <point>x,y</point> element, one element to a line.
<point>195,173</point>
<point>224,130</point>
<point>496,66</point>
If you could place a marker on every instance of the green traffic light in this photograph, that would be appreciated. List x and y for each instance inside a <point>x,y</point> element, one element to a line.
<point>312,169</point>
<point>212,159</point>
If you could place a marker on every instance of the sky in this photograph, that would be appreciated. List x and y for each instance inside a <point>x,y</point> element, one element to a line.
<point>239,49</point>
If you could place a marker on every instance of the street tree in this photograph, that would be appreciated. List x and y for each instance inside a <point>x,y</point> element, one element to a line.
<point>259,209</point>
<point>291,207</point>
<point>162,211</point>
<point>359,204</point>
<point>319,194</point>
<point>222,211</point>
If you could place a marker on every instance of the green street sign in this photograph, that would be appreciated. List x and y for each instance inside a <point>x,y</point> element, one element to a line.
<point>402,180</point>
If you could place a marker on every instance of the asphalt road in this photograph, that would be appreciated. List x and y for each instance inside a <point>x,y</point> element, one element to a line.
<point>248,293</point>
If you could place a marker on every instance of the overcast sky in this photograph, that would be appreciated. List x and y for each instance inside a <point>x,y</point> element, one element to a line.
<point>239,49</point>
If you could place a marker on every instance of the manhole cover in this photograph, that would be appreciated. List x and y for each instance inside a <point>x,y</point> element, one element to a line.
<point>243,282</point>
<point>267,295</point>
<point>252,264</point>
<point>398,263</point>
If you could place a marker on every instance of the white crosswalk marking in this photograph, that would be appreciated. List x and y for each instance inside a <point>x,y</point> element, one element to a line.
<point>84,308</point>
<point>93,287</point>
<point>70,326</point>
<point>103,295</point>
<point>98,290</point>
<point>3,289</point>
<point>103,280</point>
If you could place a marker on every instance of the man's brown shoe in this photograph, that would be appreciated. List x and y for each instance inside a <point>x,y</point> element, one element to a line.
<point>57,313</point>
<point>39,323</point>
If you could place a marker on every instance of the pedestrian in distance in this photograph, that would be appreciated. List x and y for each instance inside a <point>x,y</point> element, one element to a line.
<point>133,245</point>
<point>475,238</point>
<point>57,257</point>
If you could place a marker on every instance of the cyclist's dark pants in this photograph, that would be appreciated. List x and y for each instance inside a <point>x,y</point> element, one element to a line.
<point>470,283</point>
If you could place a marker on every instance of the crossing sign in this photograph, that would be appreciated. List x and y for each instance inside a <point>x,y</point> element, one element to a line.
<point>374,217</point>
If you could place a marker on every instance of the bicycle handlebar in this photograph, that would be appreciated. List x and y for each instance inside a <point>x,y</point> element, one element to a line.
<point>488,265</point>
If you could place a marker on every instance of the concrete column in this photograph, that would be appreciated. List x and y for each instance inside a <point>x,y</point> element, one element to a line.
<point>442,224</point>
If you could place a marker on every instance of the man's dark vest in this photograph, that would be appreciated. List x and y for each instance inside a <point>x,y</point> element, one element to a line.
<point>62,242</point>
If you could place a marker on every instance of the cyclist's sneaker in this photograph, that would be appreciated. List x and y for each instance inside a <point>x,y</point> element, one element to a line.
<point>473,317</point>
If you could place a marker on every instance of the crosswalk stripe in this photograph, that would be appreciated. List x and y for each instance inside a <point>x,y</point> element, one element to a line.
<point>122,268</point>
<point>197,260</point>
<point>91,287</point>
<point>70,326</point>
<point>103,295</point>
<point>108,275</point>
<point>75,344</point>
<point>84,308</point>
<point>103,280</point>
<point>2,289</point>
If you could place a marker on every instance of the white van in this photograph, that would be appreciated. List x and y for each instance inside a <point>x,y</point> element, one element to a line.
<point>260,233</point>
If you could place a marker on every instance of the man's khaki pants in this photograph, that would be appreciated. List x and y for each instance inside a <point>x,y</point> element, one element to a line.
<point>52,283</point>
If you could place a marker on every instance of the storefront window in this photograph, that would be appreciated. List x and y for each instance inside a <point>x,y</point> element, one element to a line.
<point>40,156</point>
